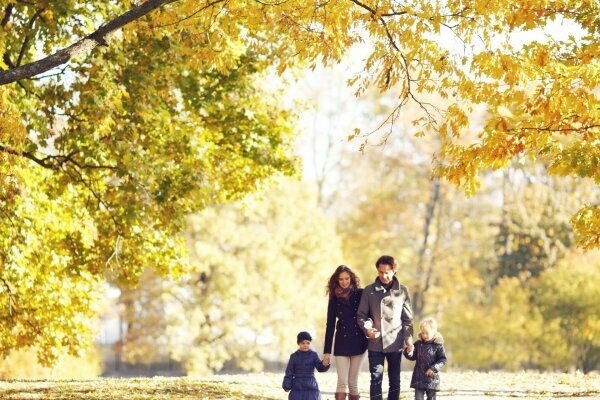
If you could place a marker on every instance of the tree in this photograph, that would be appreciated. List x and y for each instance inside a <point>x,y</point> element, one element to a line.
<point>145,314</point>
<point>23,364</point>
<point>549,322</point>
<point>107,168</point>
<point>133,144</point>
<point>567,297</point>
<point>261,267</point>
<point>534,232</point>
<point>539,95</point>
<point>440,241</point>
<point>469,263</point>
<point>504,331</point>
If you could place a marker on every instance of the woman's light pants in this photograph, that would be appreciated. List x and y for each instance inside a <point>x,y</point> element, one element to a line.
<point>347,372</point>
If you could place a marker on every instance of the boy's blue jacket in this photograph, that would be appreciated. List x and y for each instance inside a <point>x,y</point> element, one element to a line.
<point>300,378</point>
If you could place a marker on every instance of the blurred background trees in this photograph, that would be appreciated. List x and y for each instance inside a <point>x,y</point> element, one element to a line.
<point>131,166</point>
<point>258,278</point>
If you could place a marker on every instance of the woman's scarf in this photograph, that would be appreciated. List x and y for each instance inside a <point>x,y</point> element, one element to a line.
<point>343,293</point>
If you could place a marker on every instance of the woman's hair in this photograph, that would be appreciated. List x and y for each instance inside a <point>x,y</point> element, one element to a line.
<point>333,280</point>
<point>429,323</point>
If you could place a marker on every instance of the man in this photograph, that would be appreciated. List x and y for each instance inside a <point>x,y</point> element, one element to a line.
<point>386,317</point>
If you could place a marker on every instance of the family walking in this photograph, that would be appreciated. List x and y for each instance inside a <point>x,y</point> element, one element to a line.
<point>379,319</point>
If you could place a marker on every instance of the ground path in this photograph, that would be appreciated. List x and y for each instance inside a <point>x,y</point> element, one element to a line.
<point>456,385</point>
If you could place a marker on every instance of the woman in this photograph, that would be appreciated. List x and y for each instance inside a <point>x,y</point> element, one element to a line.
<point>344,293</point>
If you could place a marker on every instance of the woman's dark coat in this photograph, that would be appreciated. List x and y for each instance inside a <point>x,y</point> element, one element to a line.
<point>350,339</point>
<point>300,378</point>
<point>430,354</point>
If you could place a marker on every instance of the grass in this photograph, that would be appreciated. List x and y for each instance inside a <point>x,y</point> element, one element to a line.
<point>456,385</point>
<point>112,388</point>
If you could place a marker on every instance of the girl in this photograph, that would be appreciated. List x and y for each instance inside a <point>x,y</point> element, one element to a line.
<point>430,357</point>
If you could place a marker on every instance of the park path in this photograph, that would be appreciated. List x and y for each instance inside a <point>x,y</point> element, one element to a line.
<point>456,385</point>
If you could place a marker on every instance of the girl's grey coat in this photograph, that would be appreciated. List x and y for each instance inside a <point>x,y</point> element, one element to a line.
<point>430,354</point>
<point>391,314</point>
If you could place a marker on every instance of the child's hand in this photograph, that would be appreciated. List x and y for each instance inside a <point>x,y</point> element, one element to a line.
<point>429,372</point>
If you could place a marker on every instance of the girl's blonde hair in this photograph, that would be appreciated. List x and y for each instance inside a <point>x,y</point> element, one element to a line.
<point>430,323</point>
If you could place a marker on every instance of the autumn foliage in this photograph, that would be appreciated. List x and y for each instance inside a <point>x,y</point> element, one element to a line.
<point>118,120</point>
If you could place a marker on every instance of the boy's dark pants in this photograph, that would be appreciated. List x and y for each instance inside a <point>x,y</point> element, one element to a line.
<point>420,394</point>
<point>376,362</point>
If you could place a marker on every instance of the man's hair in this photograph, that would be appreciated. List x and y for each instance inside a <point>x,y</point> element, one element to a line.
<point>428,322</point>
<point>387,260</point>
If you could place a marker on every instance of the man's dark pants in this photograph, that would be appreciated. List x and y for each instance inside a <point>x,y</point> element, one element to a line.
<point>376,362</point>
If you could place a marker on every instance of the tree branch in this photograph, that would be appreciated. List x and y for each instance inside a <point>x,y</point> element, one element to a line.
<point>54,162</point>
<point>25,45</point>
<point>87,44</point>
<point>7,13</point>
<point>192,14</point>
<point>89,186</point>
<point>26,155</point>
<point>362,5</point>
<point>11,300</point>
<point>549,129</point>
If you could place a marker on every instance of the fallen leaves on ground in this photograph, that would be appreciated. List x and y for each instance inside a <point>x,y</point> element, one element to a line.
<point>455,385</point>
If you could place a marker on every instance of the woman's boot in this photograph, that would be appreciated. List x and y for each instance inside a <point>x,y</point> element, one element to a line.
<point>340,396</point>
<point>354,396</point>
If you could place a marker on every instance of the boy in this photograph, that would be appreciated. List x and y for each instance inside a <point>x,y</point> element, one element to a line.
<point>299,377</point>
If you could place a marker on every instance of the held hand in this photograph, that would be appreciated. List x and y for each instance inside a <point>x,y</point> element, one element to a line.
<point>326,360</point>
<point>409,348</point>
<point>429,372</point>
<point>372,333</point>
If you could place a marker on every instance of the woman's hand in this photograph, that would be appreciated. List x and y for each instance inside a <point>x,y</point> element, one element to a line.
<point>326,359</point>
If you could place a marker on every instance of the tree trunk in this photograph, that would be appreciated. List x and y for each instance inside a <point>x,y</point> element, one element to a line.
<point>418,295</point>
